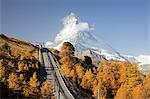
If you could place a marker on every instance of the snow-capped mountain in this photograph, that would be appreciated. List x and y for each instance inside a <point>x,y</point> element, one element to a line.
<point>79,34</point>
<point>143,59</point>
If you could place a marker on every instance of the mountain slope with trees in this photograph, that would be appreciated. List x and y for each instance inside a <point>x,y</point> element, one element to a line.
<point>113,79</point>
<point>19,70</point>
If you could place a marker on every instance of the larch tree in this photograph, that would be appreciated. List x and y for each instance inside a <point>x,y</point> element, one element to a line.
<point>146,86</point>
<point>22,78</point>
<point>20,66</point>
<point>138,92</point>
<point>2,71</point>
<point>46,90</point>
<point>87,80</point>
<point>28,53</point>
<point>27,91</point>
<point>122,92</point>
<point>79,71</point>
<point>34,81</point>
<point>73,75</point>
<point>108,79</point>
<point>34,85</point>
<point>131,79</point>
<point>67,59</point>
<point>67,49</point>
<point>13,81</point>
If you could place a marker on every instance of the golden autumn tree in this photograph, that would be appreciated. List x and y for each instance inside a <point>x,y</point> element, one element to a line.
<point>27,92</point>
<point>2,71</point>
<point>34,63</point>
<point>73,75</point>
<point>131,79</point>
<point>68,60</point>
<point>34,83</point>
<point>65,70</point>
<point>13,81</point>
<point>28,53</point>
<point>146,86</point>
<point>22,57</point>
<point>22,83</point>
<point>122,92</point>
<point>46,90</point>
<point>95,86</point>
<point>68,68</point>
<point>20,66</point>
<point>66,54</point>
<point>87,79</point>
<point>15,52</point>
<point>67,49</point>
<point>79,70</point>
<point>66,65</point>
<point>32,89</point>
<point>134,76</point>
<point>108,79</point>
<point>138,92</point>
<point>123,71</point>
<point>111,75</point>
<point>21,77</point>
<point>1,62</point>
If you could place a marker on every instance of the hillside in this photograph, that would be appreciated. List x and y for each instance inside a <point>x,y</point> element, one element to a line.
<point>108,79</point>
<point>18,46</point>
<point>20,70</point>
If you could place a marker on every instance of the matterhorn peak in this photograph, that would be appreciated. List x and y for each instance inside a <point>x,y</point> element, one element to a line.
<point>70,19</point>
<point>73,31</point>
<point>77,33</point>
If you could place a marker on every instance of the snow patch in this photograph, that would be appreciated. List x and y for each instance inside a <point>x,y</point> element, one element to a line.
<point>143,59</point>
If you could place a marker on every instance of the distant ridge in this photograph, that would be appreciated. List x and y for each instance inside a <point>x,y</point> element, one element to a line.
<point>11,39</point>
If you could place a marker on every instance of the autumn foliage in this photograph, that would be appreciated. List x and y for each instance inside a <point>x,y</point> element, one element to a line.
<point>19,74</point>
<point>46,90</point>
<point>114,79</point>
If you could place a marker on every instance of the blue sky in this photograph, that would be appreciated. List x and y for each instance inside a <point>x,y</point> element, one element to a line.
<point>121,23</point>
